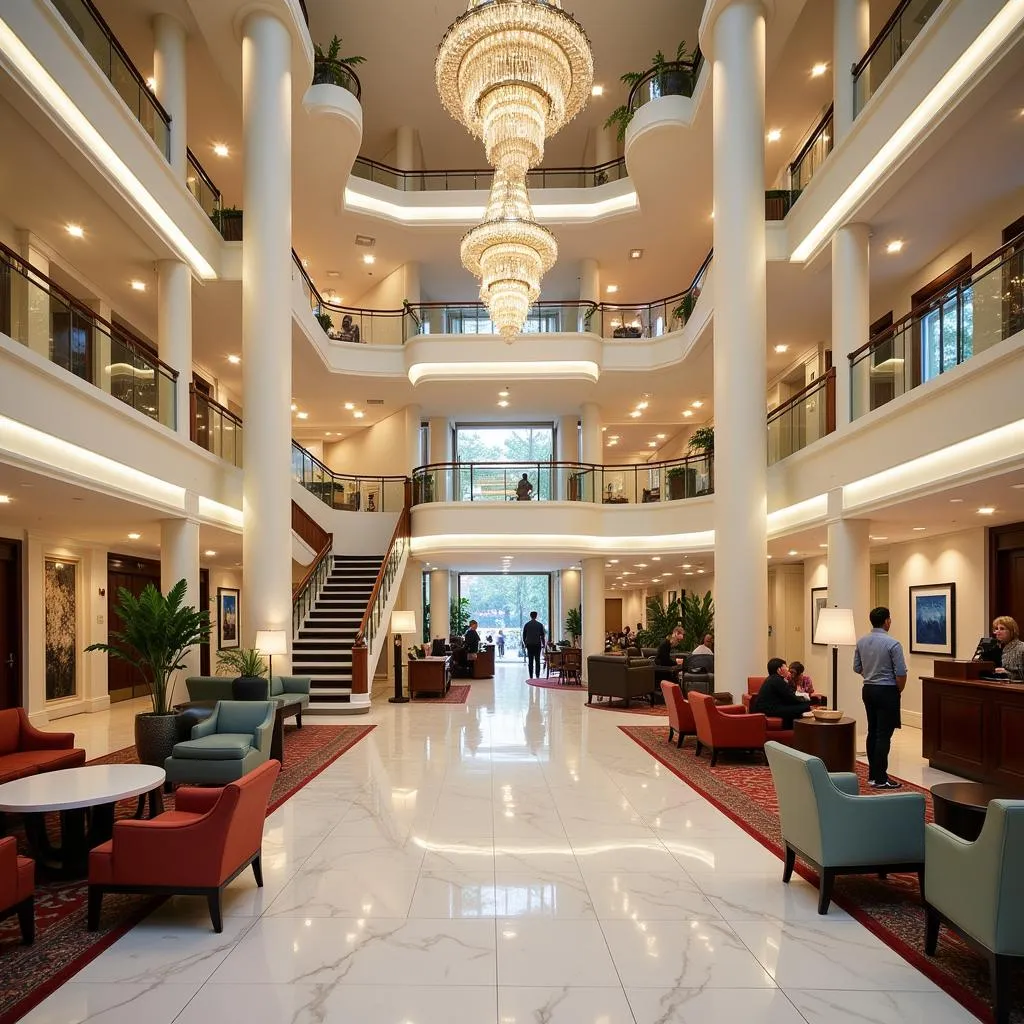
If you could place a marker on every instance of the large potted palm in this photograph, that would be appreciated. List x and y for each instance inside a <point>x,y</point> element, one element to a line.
<point>155,633</point>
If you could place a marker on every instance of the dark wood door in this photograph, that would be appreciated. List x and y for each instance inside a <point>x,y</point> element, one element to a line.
<point>1006,575</point>
<point>124,681</point>
<point>613,614</point>
<point>204,603</point>
<point>10,624</point>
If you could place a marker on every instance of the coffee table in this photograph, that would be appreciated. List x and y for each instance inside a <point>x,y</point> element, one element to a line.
<point>961,806</point>
<point>834,742</point>
<point>85,798</point>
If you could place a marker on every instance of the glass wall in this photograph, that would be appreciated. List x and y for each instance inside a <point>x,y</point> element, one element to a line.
<point>502,602</point>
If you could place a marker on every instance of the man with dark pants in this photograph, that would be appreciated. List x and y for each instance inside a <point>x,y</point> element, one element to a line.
<point>776,698</point>
<point>533,641</point>
<point>879,659</point>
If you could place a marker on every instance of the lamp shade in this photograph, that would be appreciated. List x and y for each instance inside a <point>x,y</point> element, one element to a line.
<point>271,641</point>
<point>403,622</point>
<point>836,627</point>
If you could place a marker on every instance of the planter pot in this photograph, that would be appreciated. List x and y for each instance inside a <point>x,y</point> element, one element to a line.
<point>250,688</point>
<point>155,736</point>
<point>675,83</point>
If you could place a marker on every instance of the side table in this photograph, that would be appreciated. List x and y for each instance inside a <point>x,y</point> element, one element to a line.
<point>961,806</point>
<point>834,742</point>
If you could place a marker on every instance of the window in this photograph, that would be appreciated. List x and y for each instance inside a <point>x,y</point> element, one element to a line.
<point>473,320</point>
<point>947,333</point>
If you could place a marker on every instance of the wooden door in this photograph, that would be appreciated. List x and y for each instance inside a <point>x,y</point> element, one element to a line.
<point>613,614</point>
<point>123,680</point>
<point>1006,575</point>
<point>10,624</point>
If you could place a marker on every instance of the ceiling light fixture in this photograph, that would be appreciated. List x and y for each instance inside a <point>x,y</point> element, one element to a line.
<point>369,258</point>
<point>636,254</point>
<point>234,360</point>
<point>134,536</point>
<point>819,69</point>
<point>220,149</point>
<point>612,289</point>
<point>918,529</point>
<point>597,90</point>
<point>302,415</point>
<point>151,84</point>
<point>349,406</point>
<point>359,414</point>
<point>209,554</point>
<point>75,230</point>
<point>698,404</point>
<point>960,501</point>
<point>5,499</point>
<point>986,510</point>
<point>687,412</point>
<point>895,246</point>
<point>504,394</point>
<point>138,286</point>
<point>792,553</point>
<point>503,404</point>
<point>635,414</point>
<point>294,407</point>
<point>781,348</point>
<point>660,437</point>
<point>774,134</point>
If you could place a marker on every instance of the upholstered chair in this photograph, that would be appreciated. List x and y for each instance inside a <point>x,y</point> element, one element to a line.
<point>680,717</point>
<point>17,885</point>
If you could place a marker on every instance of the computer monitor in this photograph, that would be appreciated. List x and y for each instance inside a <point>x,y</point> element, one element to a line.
<point>988,649</point>
<point>437,647</point>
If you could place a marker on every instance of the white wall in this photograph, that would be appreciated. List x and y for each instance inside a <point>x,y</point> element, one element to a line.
<point>390,291</point>
<point>221,577</point>
<point>381,449</point>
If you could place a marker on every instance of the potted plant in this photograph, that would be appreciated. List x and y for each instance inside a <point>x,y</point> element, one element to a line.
<point>250,668</point>
<point>574,623</point>
<point>703,440</point>
<point>698,616</point>
<point>668,80</point>
<point>684,310</point>
<point>228,221</point>
<point>328,66</point>
<point>676,478</point>
<point>155,633</point>
<point>325,321</point>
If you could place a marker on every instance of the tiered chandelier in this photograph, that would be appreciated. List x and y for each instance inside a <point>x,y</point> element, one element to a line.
<point>513,72</point>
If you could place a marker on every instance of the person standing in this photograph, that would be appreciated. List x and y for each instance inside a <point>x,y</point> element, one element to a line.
<point>524,489</point>
<point>533,641</point>
<point>879,659</point>
<point>501,643</point>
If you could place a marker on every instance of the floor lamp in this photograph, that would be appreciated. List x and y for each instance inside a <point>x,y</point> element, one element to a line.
<point>271,642</point>
<point>836,627</point>
<point>401,622</point>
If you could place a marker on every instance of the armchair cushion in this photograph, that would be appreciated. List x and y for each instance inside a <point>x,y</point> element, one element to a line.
<point>298,686</point>
<point>222,746</point>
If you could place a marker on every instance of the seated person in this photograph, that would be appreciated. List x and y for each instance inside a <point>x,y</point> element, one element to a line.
<point>524,489</point>
<point>665,666</point>
<point>776,698</point>
<point>706,646</point>
<point>700,662</point>
<point>349,330</point>
<point>1011,649</point>
<point>467,651</point>
<point>802,684</point>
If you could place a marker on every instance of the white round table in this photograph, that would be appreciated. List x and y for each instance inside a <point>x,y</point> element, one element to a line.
<point>85,798</point>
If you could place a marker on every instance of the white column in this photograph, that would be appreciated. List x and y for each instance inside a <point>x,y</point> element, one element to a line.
<point>405,148</point>
<point>592,599</point>
<point>851,313</point>
<point>266,327</point>
<point>170,69</point>
<point>741,545</point>
<point>568,451</point>
<point>174,331</point>
<point>440,601</point>
<point>570,598</point>
<point>179,559</point>
<point>440,430</point>
<point>851,36</point>
<point>591,450</point>
<point>413,421</point>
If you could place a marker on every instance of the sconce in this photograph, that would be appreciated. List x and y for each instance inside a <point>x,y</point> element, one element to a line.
<point>103,591</point>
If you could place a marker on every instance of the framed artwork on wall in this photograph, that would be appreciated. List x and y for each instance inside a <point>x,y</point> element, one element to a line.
<point>933,620</point>
<point>819,600</point>
<point>228,618</point>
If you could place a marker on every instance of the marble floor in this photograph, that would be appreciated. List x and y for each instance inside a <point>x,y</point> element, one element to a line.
<point>514,860</point>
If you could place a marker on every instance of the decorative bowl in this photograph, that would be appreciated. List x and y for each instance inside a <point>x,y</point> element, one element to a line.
<point>827,715</point>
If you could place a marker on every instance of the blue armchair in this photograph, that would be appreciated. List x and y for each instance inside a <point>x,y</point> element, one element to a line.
<point>233,741</point>
<point>977,889</point>
<point>837,831</point>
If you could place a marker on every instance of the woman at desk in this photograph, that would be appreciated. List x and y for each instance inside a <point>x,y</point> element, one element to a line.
<point>1007,635</point>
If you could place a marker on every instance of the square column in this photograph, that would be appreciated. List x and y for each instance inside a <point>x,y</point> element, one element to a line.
<point>440,601</point>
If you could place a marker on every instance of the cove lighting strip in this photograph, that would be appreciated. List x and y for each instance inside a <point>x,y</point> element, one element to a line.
<point>79,126</point>
<point>553,369</point>
<point>995,33</point>
<point>703,540</point>
<point>792,517</point>
<point>217,512</point>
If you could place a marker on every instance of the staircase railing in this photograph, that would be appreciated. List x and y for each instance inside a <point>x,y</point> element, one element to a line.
<point>344,492</point>
<point>305,591</point>
<point>372,621</point>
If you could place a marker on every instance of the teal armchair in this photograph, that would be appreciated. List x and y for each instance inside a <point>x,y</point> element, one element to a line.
<point>233,741</point>
<point>977,889</point>
<point>837,831</point>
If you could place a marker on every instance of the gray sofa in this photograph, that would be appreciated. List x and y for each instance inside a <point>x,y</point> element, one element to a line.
<point>609,675</point>
<point>291,691</point>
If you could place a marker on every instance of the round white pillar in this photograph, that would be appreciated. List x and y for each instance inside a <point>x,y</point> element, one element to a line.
<point>590,291</point>
<point>405,148</point>
<point>592,600</point>
<point>266,327</point>
<point>440,602</point>
<point>170,69</point>
<point>570,598</point>
<point>851,36</point>
<point>179,559</point>
<point>741,544</point>
<point>568,452</point>
<point>851,314</point>
<point>441,442</point>
<point>413,422</point>
<point>174,333</point>
<point>591,433</point>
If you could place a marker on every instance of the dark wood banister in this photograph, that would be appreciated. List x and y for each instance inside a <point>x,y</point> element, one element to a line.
<point>820,383</point>
<point>324,551</point>
<point>347,476</point>
<point>438,172</point>
<point>812,138</point>
<point>937,300</point>
<point>876,43</point>
<point>223,410</point>
<point>308,529</point>
<point>578,466</point>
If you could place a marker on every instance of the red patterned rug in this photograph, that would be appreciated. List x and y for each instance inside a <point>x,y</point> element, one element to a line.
<point>554,684</point>
<point>635,707</point>
<point>63,947</point>
<point>457,694</point>
<point>890,909</point>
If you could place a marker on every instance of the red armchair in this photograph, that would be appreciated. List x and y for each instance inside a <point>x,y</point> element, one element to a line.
<point>754,684</point>
<point>680,717</point>
<point>26,750</point>
<point>210,838</point>
<point>17,884</point>
<point>728,727</point>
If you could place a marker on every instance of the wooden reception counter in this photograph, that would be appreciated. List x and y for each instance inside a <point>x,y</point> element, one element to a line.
<point>973,727</point>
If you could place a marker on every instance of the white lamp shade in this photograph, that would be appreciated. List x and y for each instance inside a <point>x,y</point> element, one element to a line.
<point>836,627</point>
<point>403,622</point>
<point>271,641</point>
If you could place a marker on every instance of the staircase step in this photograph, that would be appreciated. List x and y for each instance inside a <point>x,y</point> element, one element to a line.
<point>323,659</point>
<point>335,636</point>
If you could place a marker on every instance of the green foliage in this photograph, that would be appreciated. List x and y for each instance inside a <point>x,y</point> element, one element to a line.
<point>156,632</point>
<point>333,51</point>
<point>574,622</point>
<point>222,214</point>
<point>243,661</point>
<point>325,321</point>
<point>702,440</point>
<point>684,310</point>
<point>458,616</point>
<point>661,620</point>
<point>698,617</point>
<point>621,116</point>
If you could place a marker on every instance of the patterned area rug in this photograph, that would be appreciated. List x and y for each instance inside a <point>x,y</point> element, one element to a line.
<point>554,684</point>
<point>890,909</point>
<point>636,707</point>
<point>63,947</point>
<point>457,694</point>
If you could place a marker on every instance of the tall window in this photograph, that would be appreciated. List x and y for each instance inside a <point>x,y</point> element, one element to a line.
<point>947,333</point>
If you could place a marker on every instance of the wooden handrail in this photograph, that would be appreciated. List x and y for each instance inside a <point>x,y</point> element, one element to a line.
<point>201,171</point>
<point>876,43</point>
<point>813,137</point>
<point>554,464</point>
<point>308,529</point>
<point>693,65</point>
<point>402,530</point>
<point>795,399</point>
<point>333,62</point>
<point>441,172</point>
<point>223,410</point>
<point>324,551</point>
<point>345,476</point>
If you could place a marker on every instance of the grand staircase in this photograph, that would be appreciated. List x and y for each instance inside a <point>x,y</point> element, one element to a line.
<point>322,647</point>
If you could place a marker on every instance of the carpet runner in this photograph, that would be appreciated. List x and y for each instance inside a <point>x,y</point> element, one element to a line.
<point>636,707</point>
<point>457,694</point>
<point>63,946</point>
<point>890,909</point>
<point>554,684</point>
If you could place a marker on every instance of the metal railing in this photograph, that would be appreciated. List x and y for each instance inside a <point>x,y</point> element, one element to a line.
<point>482,178</point>
<point>214,427</point>
<point>110,56</point>
<point>305,592</point>
<point>386,578</point>
<point>812,154</point>
<point>778,202</point>
<point>672,78</point>
<point>642,483</point>
<point>975,312</point>
<point>327,71</point>
<point>902,28</point>
<point>201,185</point>
<point>345,492</point>
<point>804,418</point>
<point>37,313</point>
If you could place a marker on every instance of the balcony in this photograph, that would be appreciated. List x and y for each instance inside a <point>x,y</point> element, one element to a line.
<point>203,190</point>
<point>345,492</point>
<point>670,78</point>
<point>214,427</point>
<point>327,71</point>
<point>806,417</point>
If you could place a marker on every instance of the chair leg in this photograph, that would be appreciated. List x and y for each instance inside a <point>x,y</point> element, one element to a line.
<point>787,871</point>
<point>931,929</point>
<point>95,907</point>
<point>681,741</point>
<point>27,920</point>
<point>714,756</point>
<point>298,718</point>
<point>825,890</point>
<point>999,971</point>
<point>698,748</point>
<point>257,870</point>
<point>670,733</point>
<point>213,900</point>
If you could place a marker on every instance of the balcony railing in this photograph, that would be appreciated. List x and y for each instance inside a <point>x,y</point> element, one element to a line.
<point>902,28</point>
<point>806,417</point>
<point>778,202</point>
<point>37,313</point>
<point>482,178</point>
<point>673,78</point>
<point>812,154</point>
<point>978,310</point>
<point>327,71</point>
<point>94,34</point>
<point>215,427</point>
<point>345,492</point>
<point>643,483</point>
<point>201,185</point>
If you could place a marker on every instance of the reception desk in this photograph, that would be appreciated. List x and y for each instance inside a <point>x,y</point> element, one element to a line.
<point>483,666</point>
<point>973,727</point>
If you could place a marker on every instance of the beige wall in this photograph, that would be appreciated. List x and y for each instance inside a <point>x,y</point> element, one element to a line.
<point>380,449</point>
<point>389,292</point>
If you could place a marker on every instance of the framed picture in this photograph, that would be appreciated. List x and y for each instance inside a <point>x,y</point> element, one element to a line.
<point>227,618</point>
<point>819,600</point>
<point>933,620</point>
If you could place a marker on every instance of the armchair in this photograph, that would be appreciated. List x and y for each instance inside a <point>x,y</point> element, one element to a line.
<point>836,830</point>
<point>234,740</point>
<point>680,716</point>
<point>197,849</point>
<point>17,884</point>
<point>26,750</point>
<point>977,890</point>
<point>728,727</point>
<point>754,684</point>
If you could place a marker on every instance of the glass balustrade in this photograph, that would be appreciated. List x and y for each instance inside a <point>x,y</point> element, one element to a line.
<point>671,78</point>
<point>37,313</point>
<point>812,154</point>
<point>199,183</point>
<point>327,71</point>
<point>347,492</point>
<point>215,428</point>
<point>805,418</point>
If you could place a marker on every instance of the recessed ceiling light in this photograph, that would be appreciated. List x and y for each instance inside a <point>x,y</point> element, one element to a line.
<point>655,558</point>
<point>687,412</point>
<point>818,70</point>
<point>895,246</point>
<point>822,545</point>
<point>697,404</point>
<point>919,529</point>
<point>234,360</point>
<point>612,289</point>
<point>349,406</point>
<point>877,538</point>
<point>614,561</point>
<point>333,273</point>
<point>305,264</point>
<point>368,258</point>
<point>636,254</point>
<point>956,501</point>
<point>635,414</point>
<point>220,149</point>
<point>774,134</point>
<point>792,552</point>
<point>359,414</point>
<point>686,565</point>
<point>597,90</point>
<point>209,554</point>
<point>5,499</point>
<point>134,536</point>
<point>294,407</point>
<point>986,510</point>
<point>652,444</point>
<point>781,348</point>
<point>503,404</point>
<point>75,230</point>
<point>689,574</point>
<point>138,286</point>
<point>1016,487</point>
<point>504,394</point>
<point>302,415</point>
<point>642,405</point>
<point>151,84</point>
<point>769,557</point>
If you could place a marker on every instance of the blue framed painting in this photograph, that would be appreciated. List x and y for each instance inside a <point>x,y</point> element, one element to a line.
<point>933,620</point>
